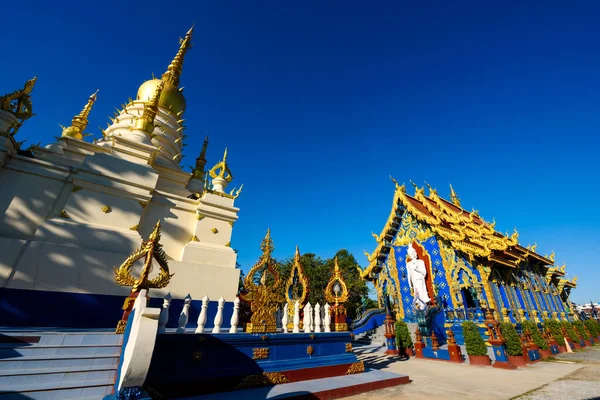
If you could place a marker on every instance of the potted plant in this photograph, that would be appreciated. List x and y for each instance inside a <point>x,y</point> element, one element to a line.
<point>513,344</point>
<point>403,339</point>
<point>571,334</point>
<point>476,348</point>
<point>582,332</point>
<point>556,331</point>
<point>537,338</point>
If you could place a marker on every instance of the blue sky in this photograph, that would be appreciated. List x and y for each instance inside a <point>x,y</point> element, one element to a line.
<point>319,102</point>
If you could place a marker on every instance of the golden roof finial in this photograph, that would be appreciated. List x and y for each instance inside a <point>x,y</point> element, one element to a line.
<point>80,122</point>
<point>145,122</point>
<point>454,197</point>
<point>221,169</point>
<point>174,69</point>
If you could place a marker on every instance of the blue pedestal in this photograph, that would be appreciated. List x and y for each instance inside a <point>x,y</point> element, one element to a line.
<point>554,349</point>
<point>534,354</point>
<point>440,354</point>
<point>500,353</point>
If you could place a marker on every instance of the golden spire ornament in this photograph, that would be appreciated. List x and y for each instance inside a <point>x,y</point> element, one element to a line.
<point>145,122</point>
<point>264,297</point>
<point>174,69</point>
<point>297,288</point>
<point>150,249</point>
<point>336,292</point>
<point>198,171</point>
<point>80,122</point>
<point>221,169</point>
<point>454,197</point>
<point>19,104</point>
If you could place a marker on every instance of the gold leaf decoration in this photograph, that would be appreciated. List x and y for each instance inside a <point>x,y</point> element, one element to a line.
<point>214,230</point>
<point>106,209</point>
<point>143,204</point>
<point>310,350</point>
<point>261,353</point>
<point>356,368</point>
<point>64,214</point>
<point>134,228</point>
<point>194,239</point>
<point>264,379</point>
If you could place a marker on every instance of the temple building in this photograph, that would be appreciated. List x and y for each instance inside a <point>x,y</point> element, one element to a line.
<point>466,265</point>
<point>72,211</point>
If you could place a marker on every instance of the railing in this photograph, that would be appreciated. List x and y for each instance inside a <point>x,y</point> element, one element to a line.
<point>315,319</point>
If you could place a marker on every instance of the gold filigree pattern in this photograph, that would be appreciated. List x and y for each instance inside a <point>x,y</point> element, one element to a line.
<point>150,249</point>
<point>264,298</point>
<point>310,350</point>
<point>296,281</point>
<point>336,278</point>
<point>348,347</point>
<point>356,368</point>
<point>261,353</point>
<point>264,379</point>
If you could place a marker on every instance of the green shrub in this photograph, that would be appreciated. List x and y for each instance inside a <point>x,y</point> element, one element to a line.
<point>570,329</point>
<point>554,327</point>
<point>473,340</point>
<point>581,329</point>
<point>513,341</point>
<point>403,338</point>
<point>535,334</point>
<point>593,327</point>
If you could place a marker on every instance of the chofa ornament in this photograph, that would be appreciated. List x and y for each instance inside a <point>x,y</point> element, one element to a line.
<point>150,249</point>
<point>336,290</point>
<point>264,298</point>
<point>297,287</point>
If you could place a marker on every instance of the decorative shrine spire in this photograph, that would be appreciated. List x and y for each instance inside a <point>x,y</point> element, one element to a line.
<point>146,121</point>
<point>267,245</point>
<point>80,122</point>
<point>198,172</point>
<point>174,69</point>
<point>454,197</point>
<point>221,174</point>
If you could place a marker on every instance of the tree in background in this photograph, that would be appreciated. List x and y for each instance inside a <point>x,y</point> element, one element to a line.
<point>319,271</point>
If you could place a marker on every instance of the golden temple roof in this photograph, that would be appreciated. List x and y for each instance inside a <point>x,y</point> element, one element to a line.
<point>466,231</point>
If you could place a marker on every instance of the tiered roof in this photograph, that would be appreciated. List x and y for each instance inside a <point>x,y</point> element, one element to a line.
<point>466,231</point>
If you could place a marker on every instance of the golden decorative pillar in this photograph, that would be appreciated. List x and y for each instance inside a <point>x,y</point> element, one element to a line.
<point>297,289</point>
<point>264,298</point>
<point>337,292</point>
<point>150,249</point>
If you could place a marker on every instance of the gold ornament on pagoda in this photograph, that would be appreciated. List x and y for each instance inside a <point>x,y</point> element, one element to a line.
<point>150,249</point>
<point>19,104</point>
<point>221,170</point>
<point>264,298</point>
<point>297,287</point>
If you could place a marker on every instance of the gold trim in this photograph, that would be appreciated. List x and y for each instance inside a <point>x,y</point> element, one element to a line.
<point>194,239</point>
<point>64,214</point>
<point>121,325</point>
<point>143,204</point>
<point>135,228</point>
<point>310,350</point>
<point>228,244</point>
<point>214,230</point>
<point>106,209</point>
<point>356,368</point>
<point>264,379</point>
<point>261,353</point>
<point>348,347</point>
<point>199,216</point>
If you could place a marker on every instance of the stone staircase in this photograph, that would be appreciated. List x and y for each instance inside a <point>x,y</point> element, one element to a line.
<point>58,364</point>
<point>374,338</point>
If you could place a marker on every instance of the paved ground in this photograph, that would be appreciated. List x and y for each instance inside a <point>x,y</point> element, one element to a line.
<point>579,385</point>
<point>442,380</point>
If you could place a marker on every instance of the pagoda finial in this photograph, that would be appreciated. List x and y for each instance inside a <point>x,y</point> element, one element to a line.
<point>146,121</point>
<point>174,69</point>
<point>454,197</point>
<point>221,169</point>
<point>198,172</point>
<point>80,122</point>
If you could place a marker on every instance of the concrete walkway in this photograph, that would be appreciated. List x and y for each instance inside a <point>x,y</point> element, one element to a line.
<point>443,380</point>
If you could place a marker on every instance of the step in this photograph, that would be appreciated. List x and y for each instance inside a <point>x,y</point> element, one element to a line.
<point>38,362</point>
<point>91,389</point>
<point>60,339</point>
<point>25,382</point>
<point>88,364</point>
<point>37,351</point>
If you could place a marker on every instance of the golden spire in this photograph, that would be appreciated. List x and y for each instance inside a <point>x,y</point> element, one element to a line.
<point>267,245</point>
<point>221,170</point>
<point>454,197</point>
<point>174,70</point>
<point>198,172</point>
<point>80,122</point>
<point>146,121</point>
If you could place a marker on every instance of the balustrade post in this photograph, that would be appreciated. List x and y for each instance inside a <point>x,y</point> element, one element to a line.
<point>317,317</point>
<point>164,314</point>
<point>284,319</point>
<point>219,316</point>
<point>235,319</point>
<point>202,317</point>
<point>296,318</point>
<point>185,314</point>
<point>327,318</point>
<point>306,320</point>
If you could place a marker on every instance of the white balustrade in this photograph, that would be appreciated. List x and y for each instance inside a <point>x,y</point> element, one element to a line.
<point>317,317</point>
<point>296,318</point>
<point>306,320</point>
<point>235,317</point>
<point>164,314</point>
<point>327,318</point>
<point>202,317</point>
<point>185,314</point>
<point>284,319</point>
<point>219,316</point>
